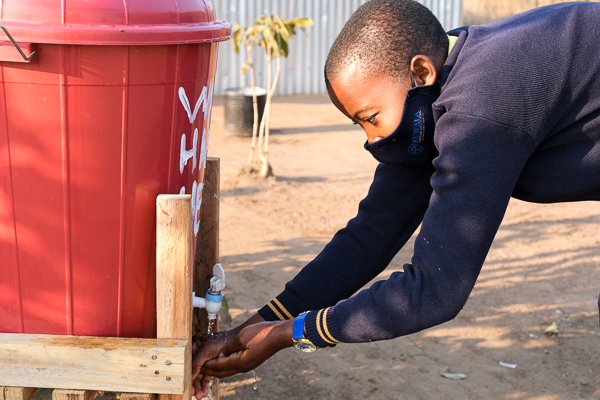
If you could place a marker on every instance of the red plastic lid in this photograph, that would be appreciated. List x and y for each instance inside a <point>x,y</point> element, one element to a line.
<point>113,22</point>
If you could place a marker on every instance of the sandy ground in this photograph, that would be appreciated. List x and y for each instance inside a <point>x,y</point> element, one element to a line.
<point>544,267</point>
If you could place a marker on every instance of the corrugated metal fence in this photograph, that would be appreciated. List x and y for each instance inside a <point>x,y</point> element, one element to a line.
<point>302,71</point>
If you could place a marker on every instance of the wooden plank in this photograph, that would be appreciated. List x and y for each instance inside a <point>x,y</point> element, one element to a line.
<point>19,393</point>
<point>72,394</point>
<point>137,396</point>
<point>174,268</point>
<point>207,253</point>
<point>94,363</point>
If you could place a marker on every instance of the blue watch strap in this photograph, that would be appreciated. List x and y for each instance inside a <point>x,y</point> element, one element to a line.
<point>298,329</point>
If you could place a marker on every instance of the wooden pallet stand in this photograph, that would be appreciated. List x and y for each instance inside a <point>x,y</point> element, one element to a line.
<point>139,368</point>
<point>21,393</point>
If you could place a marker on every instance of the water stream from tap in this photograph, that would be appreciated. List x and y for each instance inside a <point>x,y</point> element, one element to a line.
<point>255,380</point>
<point>211,327</point>
<point>209,397</point>
<point>209,331</point>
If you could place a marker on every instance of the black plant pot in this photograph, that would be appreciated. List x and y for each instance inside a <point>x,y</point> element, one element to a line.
<point>239,112</point>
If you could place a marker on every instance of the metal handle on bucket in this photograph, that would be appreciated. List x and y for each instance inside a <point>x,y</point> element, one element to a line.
<point>33,53</point>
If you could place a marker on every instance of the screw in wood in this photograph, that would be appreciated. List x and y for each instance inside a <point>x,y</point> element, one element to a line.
<point>168,362</point>
<point>168,378</point>
<point>156,372</point>
<point>154,357</point>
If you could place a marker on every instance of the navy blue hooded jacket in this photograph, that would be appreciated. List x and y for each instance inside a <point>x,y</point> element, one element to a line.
<point>518,115</point>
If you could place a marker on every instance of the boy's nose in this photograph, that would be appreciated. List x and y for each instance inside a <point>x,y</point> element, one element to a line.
<point>374,138</point>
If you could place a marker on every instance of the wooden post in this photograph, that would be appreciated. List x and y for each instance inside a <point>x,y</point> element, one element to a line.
<point>17,393</point>
<point>207,254</point>
<point>137,396</point>
<point>67,394</point>
<point>174,263</point>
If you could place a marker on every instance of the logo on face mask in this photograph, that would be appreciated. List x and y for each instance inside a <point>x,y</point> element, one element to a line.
<point>415,149</point>
<point>418,133</point>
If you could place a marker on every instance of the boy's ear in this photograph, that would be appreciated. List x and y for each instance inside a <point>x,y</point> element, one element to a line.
<point>423,70</point>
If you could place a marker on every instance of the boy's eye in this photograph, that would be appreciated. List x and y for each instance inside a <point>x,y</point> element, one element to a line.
<point>370,119</point>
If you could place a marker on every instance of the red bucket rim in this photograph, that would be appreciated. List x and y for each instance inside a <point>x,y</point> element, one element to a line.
<point>116,35</point>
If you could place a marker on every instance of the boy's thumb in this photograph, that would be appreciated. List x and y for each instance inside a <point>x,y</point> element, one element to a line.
<point>233,347</point>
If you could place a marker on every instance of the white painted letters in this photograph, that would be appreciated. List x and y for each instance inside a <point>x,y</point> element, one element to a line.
<point>205,100</point>
<point>191,153</point>
<point>196,204</point>
<point>203,149</point>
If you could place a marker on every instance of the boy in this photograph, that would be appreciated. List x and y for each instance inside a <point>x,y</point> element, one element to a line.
<point>516,110</point>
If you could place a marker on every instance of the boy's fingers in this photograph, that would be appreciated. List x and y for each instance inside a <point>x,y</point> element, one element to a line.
<point>222,374</point>
<point>233,347</point>
<point>197,361</point>
<point>196,370</point>
<point>196,389</point>
<point>223,367</point>
<point>200,387</point>
<point>204,383</point>
<point>206,351</point>
<point>217,364</point>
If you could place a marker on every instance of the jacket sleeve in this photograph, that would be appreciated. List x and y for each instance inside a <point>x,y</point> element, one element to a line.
<point>386,219</point>
<point>476,172</point>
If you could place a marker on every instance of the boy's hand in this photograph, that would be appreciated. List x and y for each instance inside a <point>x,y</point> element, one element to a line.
<point>250,348</point>
<point>205,347</point>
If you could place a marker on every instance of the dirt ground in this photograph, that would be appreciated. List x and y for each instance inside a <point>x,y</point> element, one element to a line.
<point>544,267</point>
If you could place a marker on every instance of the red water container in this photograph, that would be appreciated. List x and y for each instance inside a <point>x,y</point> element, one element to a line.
<point>112,110</point>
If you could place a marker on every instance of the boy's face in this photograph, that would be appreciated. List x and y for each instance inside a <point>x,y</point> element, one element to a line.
<point>375,102</point>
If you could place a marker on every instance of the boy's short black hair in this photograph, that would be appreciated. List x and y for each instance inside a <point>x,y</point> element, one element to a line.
<point>384,35</point>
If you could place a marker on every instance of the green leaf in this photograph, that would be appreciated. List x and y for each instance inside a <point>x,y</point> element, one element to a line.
<point>283,46</point>
<point>282,29</point>
<point>285,51</point>
<point>245,67</point>
<point>260,20</point>
<point>291,28</point>
<point>224,312</point>
<point>267,37</point>
<point>238,35</point>
<point>303,22</point>
<point>272,33</point>
<point>225,305</point>
<point>253,37</point>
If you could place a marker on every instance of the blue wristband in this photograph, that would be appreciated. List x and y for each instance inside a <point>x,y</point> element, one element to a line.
<point>298,329</point>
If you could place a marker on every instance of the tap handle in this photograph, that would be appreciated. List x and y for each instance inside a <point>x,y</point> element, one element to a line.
<point>217,282</point>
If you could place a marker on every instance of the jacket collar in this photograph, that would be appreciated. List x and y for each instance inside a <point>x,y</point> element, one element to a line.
<point>462,34</point>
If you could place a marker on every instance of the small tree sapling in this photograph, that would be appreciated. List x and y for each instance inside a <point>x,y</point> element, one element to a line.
<point>272,34</point>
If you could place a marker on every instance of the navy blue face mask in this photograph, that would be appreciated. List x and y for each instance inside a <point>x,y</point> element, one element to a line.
<point>411,144</point>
